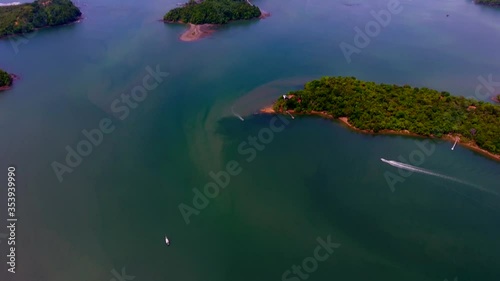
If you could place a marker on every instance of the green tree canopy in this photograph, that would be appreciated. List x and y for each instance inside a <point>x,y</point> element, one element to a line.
<point>375,107</point>
<point>488,2</point>
<point>5,79</point>
<point>42,13</point>
<point>213,11</point>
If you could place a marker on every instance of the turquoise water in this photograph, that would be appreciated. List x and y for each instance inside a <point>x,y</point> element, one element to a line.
<point>315,178</point>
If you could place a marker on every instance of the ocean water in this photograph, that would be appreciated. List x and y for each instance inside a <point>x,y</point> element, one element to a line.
<point>312,178</point>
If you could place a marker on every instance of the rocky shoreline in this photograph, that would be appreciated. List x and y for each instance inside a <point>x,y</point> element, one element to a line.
<point>345,120</point>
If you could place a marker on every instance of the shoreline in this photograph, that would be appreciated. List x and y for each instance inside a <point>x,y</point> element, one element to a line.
<point>495,5</point>
<point>345,121</point>
<point>5,88</point>
<point>41,28</point>
<point>196,32</point>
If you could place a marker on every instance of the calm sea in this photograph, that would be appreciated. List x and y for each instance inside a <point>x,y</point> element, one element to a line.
<point>106,217</point>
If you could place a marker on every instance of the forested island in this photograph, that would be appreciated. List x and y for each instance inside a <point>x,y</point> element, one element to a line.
<point>488,2</point>
<point>383,108</point>
<point>201,15</point>
<point>5,80</point>
<point>24,18</point>
<point>213,12</point>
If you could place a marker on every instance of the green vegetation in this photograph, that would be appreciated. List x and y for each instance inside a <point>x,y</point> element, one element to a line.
<point>488,2</point>
<point>376,107</point>
<point>5,79</point>
<point>42,13</point>
<point>213,11</point>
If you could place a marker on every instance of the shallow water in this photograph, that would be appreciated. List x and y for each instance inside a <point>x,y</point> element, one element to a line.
<point>313,179</point>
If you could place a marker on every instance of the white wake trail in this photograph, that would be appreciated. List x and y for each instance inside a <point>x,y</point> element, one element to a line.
<point>237,115</point>
<point>431,173</point>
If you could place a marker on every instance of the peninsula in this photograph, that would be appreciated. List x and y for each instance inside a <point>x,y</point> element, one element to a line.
<point>393,109</point>
<point>202,16</point>
<point>5,80</point>
<point>25,18</point>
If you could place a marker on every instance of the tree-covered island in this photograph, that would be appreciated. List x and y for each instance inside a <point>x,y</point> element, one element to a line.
<point>5,80</point>
<point>488,2</point>
<point>24,18</point>
<point>380,108</point>
<point>203,15</point>
<point>213,12</point>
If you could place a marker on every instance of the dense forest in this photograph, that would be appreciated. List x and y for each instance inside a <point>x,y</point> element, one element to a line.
<point>27,17</point>
<point>376,107</point>
<point>488,2</point>
<point>5,79</point>
<point>213,11</point>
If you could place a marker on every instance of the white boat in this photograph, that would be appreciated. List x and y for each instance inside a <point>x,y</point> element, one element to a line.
<point>453,148</point>
<point>167,241</point>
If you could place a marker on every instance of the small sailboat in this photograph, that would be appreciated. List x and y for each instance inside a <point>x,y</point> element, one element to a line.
<point>167,241</point>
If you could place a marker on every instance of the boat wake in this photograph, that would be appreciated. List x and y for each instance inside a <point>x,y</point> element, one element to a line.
<point>237,115</point>
<point>431,173</point>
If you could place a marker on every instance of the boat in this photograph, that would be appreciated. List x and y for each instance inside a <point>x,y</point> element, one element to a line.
<point>167,241</point>
<point>453,148</point>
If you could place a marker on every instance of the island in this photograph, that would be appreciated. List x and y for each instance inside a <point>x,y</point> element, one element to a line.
<point>203,15</point>
<point>24,18</point>
<point>5,80</point>
<point>488,2</point>
<point>382,108</point>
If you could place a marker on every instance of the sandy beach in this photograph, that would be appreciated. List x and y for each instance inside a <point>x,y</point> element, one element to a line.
<point>197,31</point>
<point>264,14</point>
<point>345,121</point>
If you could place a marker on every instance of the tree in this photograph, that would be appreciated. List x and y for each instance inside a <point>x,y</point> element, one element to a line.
<point>5,79</point>
<point>376,107</point>
<point>27,17</point>
<point>212,11</point>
